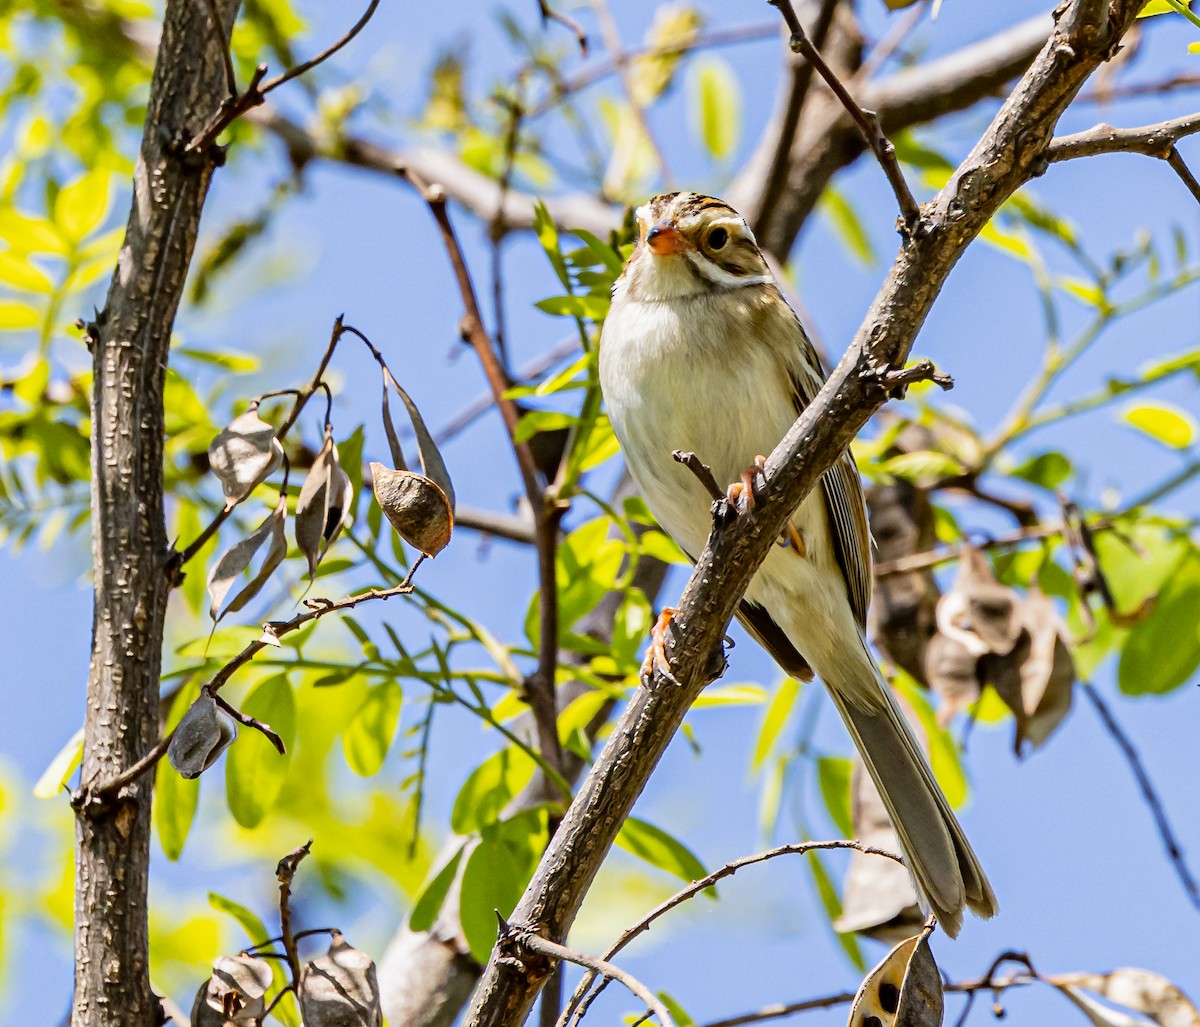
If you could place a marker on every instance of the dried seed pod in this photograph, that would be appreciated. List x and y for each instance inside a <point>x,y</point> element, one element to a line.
<point>904,990</point>
<point>417,507</point>
<point>202,735</point>
<point>953,673</point>
<point>237,559</point>
<point>243,455</point>
<point>234,994</point>
<point>1036,679</point>
<point>1144,991</point>
<point>979,612</point>
<point>340,988</point>
<point>323,504</point>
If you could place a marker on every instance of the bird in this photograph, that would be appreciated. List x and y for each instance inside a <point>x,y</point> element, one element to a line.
<point>701,352</point>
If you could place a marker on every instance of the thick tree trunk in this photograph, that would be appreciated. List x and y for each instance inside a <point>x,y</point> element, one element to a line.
<point>129,545</point>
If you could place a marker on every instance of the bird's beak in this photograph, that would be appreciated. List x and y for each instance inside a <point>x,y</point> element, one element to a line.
<point>664,239</point>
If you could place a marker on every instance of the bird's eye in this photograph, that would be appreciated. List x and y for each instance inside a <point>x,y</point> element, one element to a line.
<point>717,238</point>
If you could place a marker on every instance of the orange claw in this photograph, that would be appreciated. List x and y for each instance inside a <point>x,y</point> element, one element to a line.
<point>656,655</point>
<point>740,494</point>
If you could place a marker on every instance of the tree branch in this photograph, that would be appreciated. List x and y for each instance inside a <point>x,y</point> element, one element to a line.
<point>1005,157</point>
<point>1157,140</point>
<point>130,349</point>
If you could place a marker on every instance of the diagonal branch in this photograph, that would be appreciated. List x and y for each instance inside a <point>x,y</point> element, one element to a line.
<point>1007,155</point>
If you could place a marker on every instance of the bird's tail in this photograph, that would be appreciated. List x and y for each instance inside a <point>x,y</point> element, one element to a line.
<point>943,866</point>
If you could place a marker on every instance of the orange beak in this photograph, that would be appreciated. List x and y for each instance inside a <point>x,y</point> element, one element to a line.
<point>663,239</point>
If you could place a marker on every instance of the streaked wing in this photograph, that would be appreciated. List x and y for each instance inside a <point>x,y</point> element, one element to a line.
<point>844,500</point>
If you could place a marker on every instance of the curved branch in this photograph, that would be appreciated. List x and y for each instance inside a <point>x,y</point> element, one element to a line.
<point>1005,158</point>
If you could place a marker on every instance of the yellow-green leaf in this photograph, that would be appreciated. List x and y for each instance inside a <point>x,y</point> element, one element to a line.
<point>80,207</point>
<point>16,316</point>
<point>21,273</point>
<point>718,107</point>
<point>54,777</point>
<point>368,736</point>
<point>1164,422</point>
<point>254,770</point>
<point>660,849</point>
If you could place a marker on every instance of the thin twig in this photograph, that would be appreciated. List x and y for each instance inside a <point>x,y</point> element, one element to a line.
<point>867,121</point>
<point>548,13</point>
<point>1156,140</point>
<point>237,104</point>
<point>580,1001</point>
<point>1149,794</point>
<point>1175,159</point>
<point>528,939</point>
<point>702,471</point>
<point>265,729</point>
<point>285,873</point>
<point>180,558</point>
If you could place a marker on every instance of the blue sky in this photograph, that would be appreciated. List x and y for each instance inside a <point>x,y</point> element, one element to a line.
<point>1081,876</point>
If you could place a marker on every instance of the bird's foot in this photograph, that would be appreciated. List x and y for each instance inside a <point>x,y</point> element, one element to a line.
<point>656,655</point>
<point>740,495</point>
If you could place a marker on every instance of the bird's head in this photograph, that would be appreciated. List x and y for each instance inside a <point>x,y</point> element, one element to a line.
<point>690,244</point>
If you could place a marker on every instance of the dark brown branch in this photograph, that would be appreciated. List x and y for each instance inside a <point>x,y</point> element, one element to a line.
<point>548,13</point>
<point>1149,794</point>
<point>866,120</point>
<point>522,938</point>
<point>547,511</point>
<point>226,56</point>
<point>577,1007</point>
<point>1008,155</point>
<point>1157,140</point>
<point>130,352</point>
<point>285,873</point>
<point>703,472</point>
<point>1175,159</point>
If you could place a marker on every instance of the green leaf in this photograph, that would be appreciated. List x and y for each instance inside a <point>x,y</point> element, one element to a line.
<point>368,736</point>
<point>534,421</point>
<point>663,547</point>
<point>254,770</point>
<point>489,788</point>
<point>255,929</point>
<point>175,796</point>
<point>717,111</point>
<point>1164,422</point>
<point>81,205</point>
<point>610,257</point>
<point>54,778</point>
<point>22,273</point>
<point>659,849</point>
<point>731,695</point>
<point>923,466</point>
<point>833,775</point>
<point>1156,7</point>
<point>844,220</point>
<point>429,902</point>
<point>592,308</point>
<point>586,569</point>
<point>15,316</point>
<point>774,719</point>
<point>833,908</point>
<point>26,234</point>
<point>547,233</point>
<point>1049,470</point>
<point>678,1013</point>
<point>495,875</point>
<point>1163,651</point>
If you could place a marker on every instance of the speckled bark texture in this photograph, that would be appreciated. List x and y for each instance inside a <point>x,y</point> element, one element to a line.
<point>129,545</point>
<point>1011,151</point>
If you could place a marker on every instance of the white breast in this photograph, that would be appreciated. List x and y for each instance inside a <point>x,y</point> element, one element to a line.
<point>724,400</point>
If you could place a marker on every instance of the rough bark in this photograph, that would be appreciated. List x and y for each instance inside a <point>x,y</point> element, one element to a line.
<point>1009,153</point>
<point>129,341</point>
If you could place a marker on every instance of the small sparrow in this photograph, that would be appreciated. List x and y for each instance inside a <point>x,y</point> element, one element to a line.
<point>701,352</point>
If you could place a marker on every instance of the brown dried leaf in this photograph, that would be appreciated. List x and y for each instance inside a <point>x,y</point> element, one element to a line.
<point>978,612</point>
<point>340,989</point>
<point>322,505</point>
<point>243,455</point>
<point>878,898</point>
<point>904,990</point>
<point>417,508</point>
<point>202,735</point>
<point>432,464</point>
<point>234,994</point>
<point>237,559</point>
<point>952,671</point>
<point>1140,990</point>
<point>1036,680</point>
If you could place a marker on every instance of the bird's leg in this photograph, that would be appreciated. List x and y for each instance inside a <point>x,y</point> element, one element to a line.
<point>656,655</point>
<point>740,495</point>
